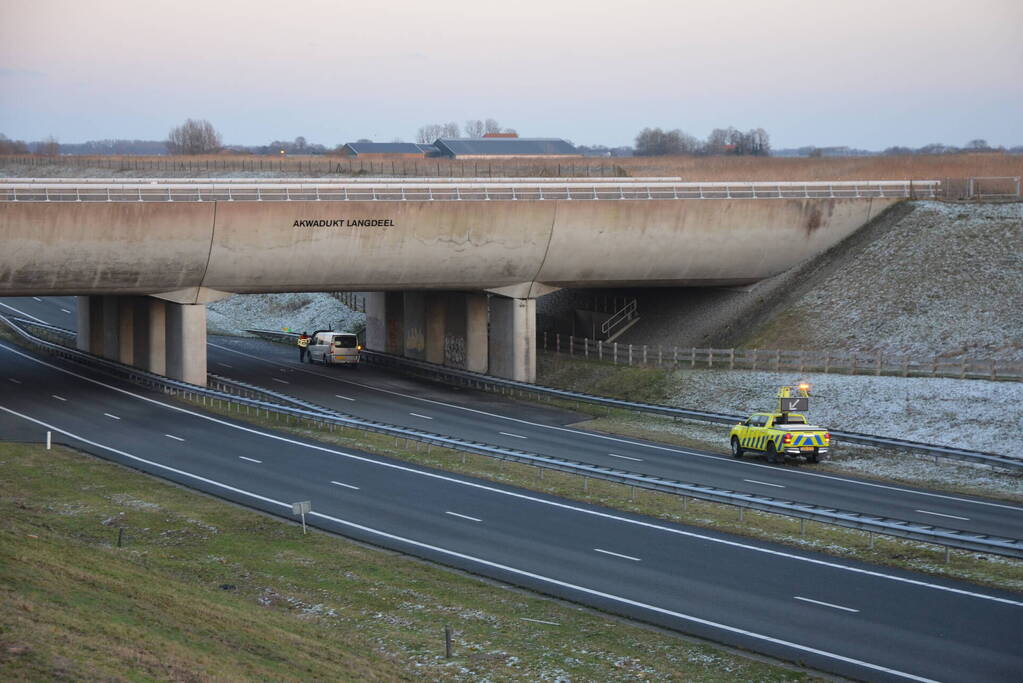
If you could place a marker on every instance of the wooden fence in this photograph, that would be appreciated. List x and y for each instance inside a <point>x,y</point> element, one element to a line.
<point>774,360</point>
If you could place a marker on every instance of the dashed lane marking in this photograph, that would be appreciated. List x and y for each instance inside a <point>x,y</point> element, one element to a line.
<point>764,483</point>
<point>826,604</point>
<point>624,557</point>
<point>455,514</point>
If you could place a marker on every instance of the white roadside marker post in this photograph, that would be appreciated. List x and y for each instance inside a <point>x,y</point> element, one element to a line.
<point>49,439</point>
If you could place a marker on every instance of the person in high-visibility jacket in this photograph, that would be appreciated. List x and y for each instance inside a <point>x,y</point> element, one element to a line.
<point>303,347</point>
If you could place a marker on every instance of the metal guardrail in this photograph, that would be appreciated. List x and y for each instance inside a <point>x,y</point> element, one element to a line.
<point>942,536</point>
<point>461,191</point>
<point>480,381</point>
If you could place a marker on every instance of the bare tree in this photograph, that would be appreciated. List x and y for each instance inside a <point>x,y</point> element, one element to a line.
<point>193,137</point>
<point>492,126</point>
<point>49,147</point>
<point>429,132</point>
<point>8,146</point>
<point>474,128</point>
<point>450,130</point>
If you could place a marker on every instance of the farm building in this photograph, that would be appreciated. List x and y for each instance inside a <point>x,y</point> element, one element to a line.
<point>388,150</point>
<point>505,147</point>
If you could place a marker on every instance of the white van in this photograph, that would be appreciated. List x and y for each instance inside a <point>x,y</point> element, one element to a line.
<point>334,348</point>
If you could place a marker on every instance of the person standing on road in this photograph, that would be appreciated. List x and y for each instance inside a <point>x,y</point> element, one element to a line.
<point>303,347</point>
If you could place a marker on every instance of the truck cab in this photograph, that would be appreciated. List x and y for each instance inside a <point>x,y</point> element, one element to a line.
<point>335,348</point>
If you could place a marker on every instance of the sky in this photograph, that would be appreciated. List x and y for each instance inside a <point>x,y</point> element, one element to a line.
<point>867,73</point>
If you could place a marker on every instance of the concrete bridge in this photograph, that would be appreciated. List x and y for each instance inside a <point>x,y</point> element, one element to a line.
<point>453,267</point>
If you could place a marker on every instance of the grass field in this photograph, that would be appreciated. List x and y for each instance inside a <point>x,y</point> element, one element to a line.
<point>916,167</point>
<point>206,590</point>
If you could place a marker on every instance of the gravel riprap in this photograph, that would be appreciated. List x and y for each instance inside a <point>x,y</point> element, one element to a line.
<point>302,312</point>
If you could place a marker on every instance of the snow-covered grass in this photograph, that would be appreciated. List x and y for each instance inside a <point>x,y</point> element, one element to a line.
<point>946,280</point>
<point>299,312</point>
<point>974,414</point>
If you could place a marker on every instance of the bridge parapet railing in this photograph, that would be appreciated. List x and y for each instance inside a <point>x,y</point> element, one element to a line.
<point>465,191</point>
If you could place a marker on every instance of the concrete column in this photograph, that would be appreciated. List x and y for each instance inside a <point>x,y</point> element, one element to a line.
<point>454,330</point>
<point>186,342</point>
<point>414,325</point>
<point>513,338</point>
<point>111,344</point>
<point>376,321</point>
<point>394,305</point>
<point>126,329</point>
<point>90,325</point>
<point>150,335</point>
<point>436,317</point>
<point>476,353</point>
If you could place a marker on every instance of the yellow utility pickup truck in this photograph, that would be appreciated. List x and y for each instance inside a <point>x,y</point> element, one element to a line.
<point>784,432</point>
<point>778,435</point>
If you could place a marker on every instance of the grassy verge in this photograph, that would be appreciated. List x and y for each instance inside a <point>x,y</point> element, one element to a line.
<point>206,590</point>
<point>847,543</point>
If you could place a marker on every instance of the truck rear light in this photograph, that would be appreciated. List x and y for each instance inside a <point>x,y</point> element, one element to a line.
<point>787,438</point>
<point>358,347</point>
<point>827,437</point>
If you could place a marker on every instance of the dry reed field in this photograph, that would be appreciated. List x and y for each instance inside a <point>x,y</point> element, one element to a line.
<point>922,167</point>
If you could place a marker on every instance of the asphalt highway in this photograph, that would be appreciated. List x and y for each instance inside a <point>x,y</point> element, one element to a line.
<point>382,395</point>
<point>848,618</point>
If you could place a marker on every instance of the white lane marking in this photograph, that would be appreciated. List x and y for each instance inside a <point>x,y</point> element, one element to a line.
<point>425,417</point>
<point>282,381</point>
<point>59,398</point>
<point>764,483</point>
<point>517,436</point>
<point>941,514</point>
<point>66,311</point>
<point>479,560</point>
<point>540,621</point>
<point>347,486</point>
<point>344,397</point>
<point>825,604</point>
<point>626,557</point>
<point>112,417</point>
<point>16,381</point>
<point>23,313</point>
<point>463,516</point>
<point>722,458</point>
<point>625,457</point>
<point>171,436</point>
<point>37,298</point>
<point>258,462</point>
<point>491,489</point>
<point>225,365</point>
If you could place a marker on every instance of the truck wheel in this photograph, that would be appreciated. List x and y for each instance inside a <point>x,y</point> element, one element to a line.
<point>736,448</point>
<point>772,454</point>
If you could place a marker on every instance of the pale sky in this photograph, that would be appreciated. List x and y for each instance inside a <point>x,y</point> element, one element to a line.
<point>863,73</point>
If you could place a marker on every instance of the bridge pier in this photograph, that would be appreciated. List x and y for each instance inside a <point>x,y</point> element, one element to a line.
<point>451,328</point>
<point>513,338</point>
<point>162,337</point>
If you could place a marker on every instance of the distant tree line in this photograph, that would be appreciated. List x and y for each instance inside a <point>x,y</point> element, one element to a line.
<point>977,145</point>
<point>474,128</point>
<point>721,141</point>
